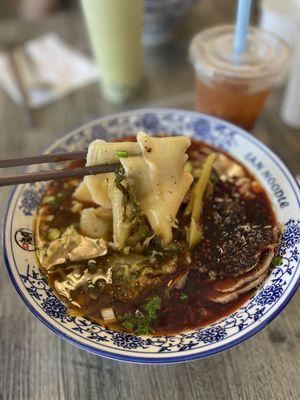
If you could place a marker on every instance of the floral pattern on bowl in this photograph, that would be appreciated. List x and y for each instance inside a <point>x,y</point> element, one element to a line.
<point>269,300</point>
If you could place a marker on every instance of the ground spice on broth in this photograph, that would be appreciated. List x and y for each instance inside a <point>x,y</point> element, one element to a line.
<point>226,251</point>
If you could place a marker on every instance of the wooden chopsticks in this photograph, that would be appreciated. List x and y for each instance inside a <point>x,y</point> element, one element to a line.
<point>53,174</point>
<point>44,158</point>
<point>19,81</point>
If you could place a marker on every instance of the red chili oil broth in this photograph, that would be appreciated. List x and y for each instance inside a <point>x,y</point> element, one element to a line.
<point>182,309</point>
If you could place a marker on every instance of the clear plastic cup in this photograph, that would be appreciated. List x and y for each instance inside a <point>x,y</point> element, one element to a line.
<point>235,87</point>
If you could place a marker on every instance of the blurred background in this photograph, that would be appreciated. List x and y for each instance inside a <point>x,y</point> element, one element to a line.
<point>168,78</point>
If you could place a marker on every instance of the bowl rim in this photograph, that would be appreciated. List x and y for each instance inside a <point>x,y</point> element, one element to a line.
<point>172,359</point>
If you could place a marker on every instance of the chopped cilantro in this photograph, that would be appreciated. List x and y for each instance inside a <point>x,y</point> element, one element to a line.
<point>91,285</point>
<point>183,296</point>
<point>277,260</point>
<point>75,225</point>
<point>127,316</point>
<point>143,326</point>
<point>152,306</point>
<point>142,323</point>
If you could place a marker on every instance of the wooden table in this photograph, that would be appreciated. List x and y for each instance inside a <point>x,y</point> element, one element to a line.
<point>34,363</point>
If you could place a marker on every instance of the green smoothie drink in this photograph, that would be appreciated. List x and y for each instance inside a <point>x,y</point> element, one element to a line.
<point>114,28</point>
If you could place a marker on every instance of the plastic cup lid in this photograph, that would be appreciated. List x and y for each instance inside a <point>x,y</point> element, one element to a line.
<point>211,52</point>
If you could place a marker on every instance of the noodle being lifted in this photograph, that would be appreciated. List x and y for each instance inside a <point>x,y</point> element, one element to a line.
<point>151,181</point>
<point>175,239</point>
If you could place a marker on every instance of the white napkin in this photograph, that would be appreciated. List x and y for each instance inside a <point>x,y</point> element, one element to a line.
<point>58,69</point>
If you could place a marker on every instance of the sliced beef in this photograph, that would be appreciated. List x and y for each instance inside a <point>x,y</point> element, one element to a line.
<point>218,297</point>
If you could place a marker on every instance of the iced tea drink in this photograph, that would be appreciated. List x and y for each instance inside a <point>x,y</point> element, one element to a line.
<point>235,87</point>
<point>236,104</point>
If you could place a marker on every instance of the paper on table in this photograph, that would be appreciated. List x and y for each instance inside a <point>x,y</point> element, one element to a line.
<point>61,68</point>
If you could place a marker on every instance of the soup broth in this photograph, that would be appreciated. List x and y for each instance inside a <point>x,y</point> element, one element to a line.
<point>176,288</point>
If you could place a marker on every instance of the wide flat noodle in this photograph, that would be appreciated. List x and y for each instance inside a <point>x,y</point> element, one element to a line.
<point>170,180</point>
<point>97,186</point>
<point>156,173</point>
<point>159,180</point>
<point>96,223</point>
<point>138,177</point>
<point>82,193</point>
<point>99,153</point>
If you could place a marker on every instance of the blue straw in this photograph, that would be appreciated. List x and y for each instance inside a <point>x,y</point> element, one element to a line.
<point>241,28</point>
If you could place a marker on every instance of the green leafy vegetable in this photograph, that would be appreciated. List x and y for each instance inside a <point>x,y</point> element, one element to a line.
<point>142,323</point>
<point>152,306</point>
<point>183,296</point>
<point>129,197</point>
<point>277,260</point>
<point>127,324</point>
<point>143,326</point>
<point>141,233</point>
<point>127,316</point>
<point>121,153</point>
<point>133,214</point>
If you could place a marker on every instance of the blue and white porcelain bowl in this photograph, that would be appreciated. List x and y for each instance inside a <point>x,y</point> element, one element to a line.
<point>265,305</point>
<point>161,18</point>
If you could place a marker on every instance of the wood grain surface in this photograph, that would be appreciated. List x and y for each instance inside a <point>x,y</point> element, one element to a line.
<point>34,363</point>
